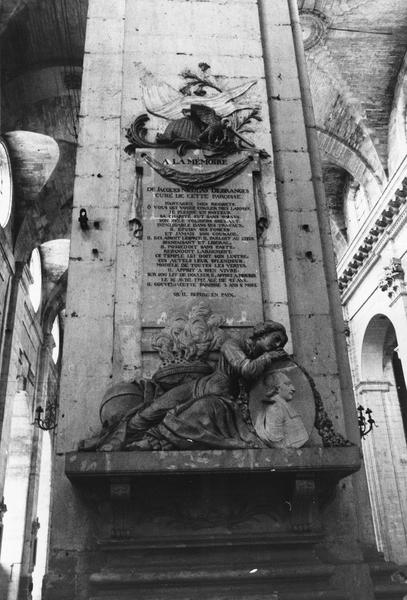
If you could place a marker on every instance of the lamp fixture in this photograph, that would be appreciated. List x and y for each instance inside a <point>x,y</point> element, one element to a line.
<point>83,219</point>
<point>365,421</point>
<point>49,421</point>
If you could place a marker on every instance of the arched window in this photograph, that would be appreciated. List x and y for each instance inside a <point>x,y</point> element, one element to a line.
<point>55,331</point>
<point>380,361</point>
<point>400,387</point>
<point>383,390</point>
<point>6,186</point>
<point>336,182</point>
<point>36,285</point>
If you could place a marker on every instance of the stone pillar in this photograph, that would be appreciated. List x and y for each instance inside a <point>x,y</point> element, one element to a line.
<point>89,333</point>
<point>304,220</point>
<point>8,379</point>
<point>398,306</point>
<point>318,328</point>
<point>371,394</point>
<point>384,453</point>
<point>87,368</point>
<point>40,398</point>
<point>105,273</point>
<point>128,43</point>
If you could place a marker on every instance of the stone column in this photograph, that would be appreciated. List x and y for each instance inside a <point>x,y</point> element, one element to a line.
<point>398,307</point>
<point>89,333</point>
<point>40,398</point>
<point>157,40</point>
<point>317,326</point>
<point>8,383</point>
<point>381,449</point>
<point>313,297</point>
<point>89,338</point>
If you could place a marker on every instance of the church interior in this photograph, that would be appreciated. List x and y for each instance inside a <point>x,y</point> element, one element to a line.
<point>355,52</point>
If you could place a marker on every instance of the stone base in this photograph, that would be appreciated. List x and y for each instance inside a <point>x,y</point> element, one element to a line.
<point>209,567</point>
<point>208,525</point>
<point>333,462</point>
<point>211,525</point>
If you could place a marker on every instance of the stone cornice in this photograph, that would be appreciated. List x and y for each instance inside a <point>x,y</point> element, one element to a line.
<point>338,462</point>
<point>384,221</point>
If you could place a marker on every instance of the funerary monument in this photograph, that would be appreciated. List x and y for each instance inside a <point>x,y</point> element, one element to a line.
<point>208,443</point>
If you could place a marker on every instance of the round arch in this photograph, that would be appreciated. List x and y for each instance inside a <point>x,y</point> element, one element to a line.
<point>398,121</point>
<point>342,132</point>
<point>32,234</point>
<point>379,330</point>
<point>55,303</point>
<point>383,390</point>
<point>338,152</point>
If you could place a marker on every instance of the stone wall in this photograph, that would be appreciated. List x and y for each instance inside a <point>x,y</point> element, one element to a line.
<point>126,43</point>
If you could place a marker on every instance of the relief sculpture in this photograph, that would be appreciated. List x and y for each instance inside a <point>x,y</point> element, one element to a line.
<point>199,115</point>
<point>215,388</point>
<point>275,420</point>
<point>242,400</point>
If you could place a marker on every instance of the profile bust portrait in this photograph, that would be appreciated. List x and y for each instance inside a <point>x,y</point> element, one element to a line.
<point>275,420</point>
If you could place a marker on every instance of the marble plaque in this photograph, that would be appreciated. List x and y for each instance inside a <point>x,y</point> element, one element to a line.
<point>200,241</point>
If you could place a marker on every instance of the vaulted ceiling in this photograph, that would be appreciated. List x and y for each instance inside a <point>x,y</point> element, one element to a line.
<point>364,43</point>
<point>38,32</point>
<point>42,47</point>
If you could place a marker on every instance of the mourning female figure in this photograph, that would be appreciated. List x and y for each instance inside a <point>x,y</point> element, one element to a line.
<point>204,413</point>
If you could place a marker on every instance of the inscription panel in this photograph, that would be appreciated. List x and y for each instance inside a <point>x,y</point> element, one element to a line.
<point>200,243</point>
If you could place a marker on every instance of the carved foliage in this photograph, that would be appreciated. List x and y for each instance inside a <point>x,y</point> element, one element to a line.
<point>392,280</point>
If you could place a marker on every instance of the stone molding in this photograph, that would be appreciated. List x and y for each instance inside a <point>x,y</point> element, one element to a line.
<point>315,27</point>
<point>385,219</point>
<point>338,462</point>
<point>376,234</point>
<point>364,387</point>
